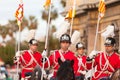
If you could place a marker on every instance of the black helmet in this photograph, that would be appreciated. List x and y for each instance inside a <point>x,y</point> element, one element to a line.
<point>33,41</point>
<point>65,37</point>
<point>80,45</point>
<point>110,41</point>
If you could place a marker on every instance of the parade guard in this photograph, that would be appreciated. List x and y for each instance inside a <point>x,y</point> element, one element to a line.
<point>81,61</point>
<point>29,59</point>
<point>105,62</point>
<point>63,53</point>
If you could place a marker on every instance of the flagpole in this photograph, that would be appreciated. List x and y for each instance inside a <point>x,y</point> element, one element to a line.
<point>46,41</point>
<point>101,10</point>
<point>119,41</point>
<point>48,26</point>
<point>18,41</point>
<point>19,37</point>
<point>72,17</point>
<point>98,21</point>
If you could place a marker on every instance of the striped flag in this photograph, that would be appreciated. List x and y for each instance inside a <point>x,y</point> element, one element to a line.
<point>70,14</point>
<point>47,4</point>
<point>19,14</point>
<point>101,8</point>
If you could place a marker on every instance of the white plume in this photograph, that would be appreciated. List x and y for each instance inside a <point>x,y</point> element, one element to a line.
<point>75,37</point>
<point>63,27</point>
<point>40,38</point>
<point>30,34</point>
<point>109,31</point>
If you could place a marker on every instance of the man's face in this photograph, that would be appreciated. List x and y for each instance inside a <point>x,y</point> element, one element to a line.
<point>80,51</point>
<point>109,48</point>
<point>64,45</point>
<point>34,47</point>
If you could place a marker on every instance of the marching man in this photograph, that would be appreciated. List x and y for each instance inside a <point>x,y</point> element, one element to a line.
<point>106,62</point>
<point>28,59</point>
<point>63,53</point>
<point>81,61</point>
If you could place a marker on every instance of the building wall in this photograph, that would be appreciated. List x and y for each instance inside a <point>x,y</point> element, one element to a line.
<point>86,23</point>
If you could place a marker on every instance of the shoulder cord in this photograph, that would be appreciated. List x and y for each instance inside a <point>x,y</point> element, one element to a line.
<point>26,64</point>
<point>102,69</point>
<point>61,56</point>
<point>109,63</point>
<point>33,58</point>
<point>79,64</point>
<point>105,66</point>
<point>106,63</point>
<point>54,59</point>
<point>84,66</point>
<point>23,59</point>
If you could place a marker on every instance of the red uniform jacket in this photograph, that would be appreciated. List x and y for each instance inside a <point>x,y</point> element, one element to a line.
<point>81,64</point>
<point>105,65</point>
<point>29,60</point>
<point>53,60</point>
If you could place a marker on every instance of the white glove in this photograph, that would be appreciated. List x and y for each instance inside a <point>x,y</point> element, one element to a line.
<point>44,54</point>
<point>92,54</point>
<point>83,72</point>
<point>18,53</point>
<point>17,56</point>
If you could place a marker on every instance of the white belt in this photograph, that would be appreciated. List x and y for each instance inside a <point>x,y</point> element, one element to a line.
<point>28,68</point>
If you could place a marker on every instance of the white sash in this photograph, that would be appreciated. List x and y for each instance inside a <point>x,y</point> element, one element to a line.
<point>33,58</point>
<point>61,56</point>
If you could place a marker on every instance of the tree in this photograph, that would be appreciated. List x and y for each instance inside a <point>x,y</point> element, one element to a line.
<point>53,16</point>
<point>8,52</point>
<point>32,22</point>
<point>3,31</point>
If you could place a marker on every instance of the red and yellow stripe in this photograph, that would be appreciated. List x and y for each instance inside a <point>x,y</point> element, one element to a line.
<point>47,4</point>
<point>19,13</point>
<point>70,14</point>
<point>102,7</point>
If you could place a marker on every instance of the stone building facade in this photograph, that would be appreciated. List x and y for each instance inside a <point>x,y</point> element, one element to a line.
<point>86,19</point>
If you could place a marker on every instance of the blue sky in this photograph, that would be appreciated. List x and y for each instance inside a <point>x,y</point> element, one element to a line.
<point>31,7</point>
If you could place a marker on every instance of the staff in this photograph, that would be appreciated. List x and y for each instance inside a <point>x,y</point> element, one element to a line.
<point>119,42</point>
<point>44,53</point>
<point>19,17</point>
<point>73,14</point>
<point>101,10</point>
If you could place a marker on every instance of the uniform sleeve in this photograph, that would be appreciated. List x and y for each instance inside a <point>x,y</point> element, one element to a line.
<point>21,58</point>
<point>118,66</point>
<point>75,64</point>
